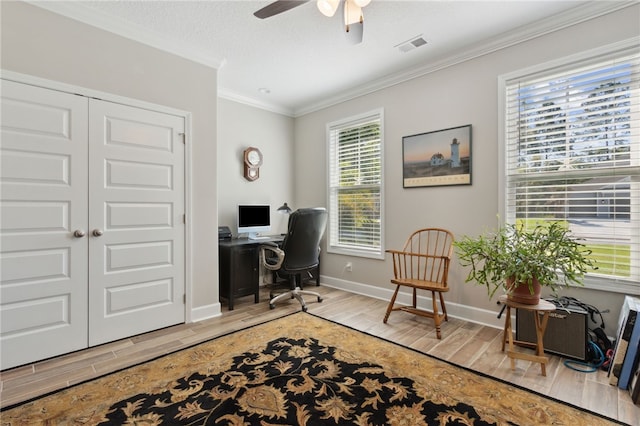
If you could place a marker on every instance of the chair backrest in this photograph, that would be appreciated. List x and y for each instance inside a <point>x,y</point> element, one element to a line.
<point>301,245</point>
<point>435,248</point>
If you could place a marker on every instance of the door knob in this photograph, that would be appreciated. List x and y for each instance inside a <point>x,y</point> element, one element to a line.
<point>79,233</point>
<point>97,232</point>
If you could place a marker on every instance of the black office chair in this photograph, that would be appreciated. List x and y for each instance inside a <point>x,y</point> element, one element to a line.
<point>298,254</point>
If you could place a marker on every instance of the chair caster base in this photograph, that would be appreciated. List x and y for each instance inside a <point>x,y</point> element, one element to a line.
<point>296,293</point>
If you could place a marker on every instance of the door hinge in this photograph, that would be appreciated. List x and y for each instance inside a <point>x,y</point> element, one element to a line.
<point>184,219</point>
<point>184,299</point>
<point>184,138</point>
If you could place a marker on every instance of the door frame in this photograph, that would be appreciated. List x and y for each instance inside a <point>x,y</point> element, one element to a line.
<point>186,115</point>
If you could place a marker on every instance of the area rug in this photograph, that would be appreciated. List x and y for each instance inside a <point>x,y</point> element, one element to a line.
<point>296,370</point>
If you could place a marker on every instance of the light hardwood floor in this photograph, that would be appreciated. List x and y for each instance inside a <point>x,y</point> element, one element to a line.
<point>463,343</point>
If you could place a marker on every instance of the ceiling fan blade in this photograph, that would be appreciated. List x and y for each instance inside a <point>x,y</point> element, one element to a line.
<point>277,7</point>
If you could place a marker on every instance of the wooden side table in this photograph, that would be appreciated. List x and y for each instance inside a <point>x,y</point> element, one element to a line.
<point>543,308</point>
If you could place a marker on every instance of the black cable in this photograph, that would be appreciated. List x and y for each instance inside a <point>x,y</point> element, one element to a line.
<point>565,301</point>
<point>502,310</point>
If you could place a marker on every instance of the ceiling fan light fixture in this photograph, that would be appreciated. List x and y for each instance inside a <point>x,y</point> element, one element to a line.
<point>352,13</point>
<point>353,22</point>
<point>362,3</point>
<point>328,7</point>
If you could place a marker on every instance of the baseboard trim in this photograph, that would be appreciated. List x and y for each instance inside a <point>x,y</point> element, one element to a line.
<point>202,313</point>
<point>454,310</point>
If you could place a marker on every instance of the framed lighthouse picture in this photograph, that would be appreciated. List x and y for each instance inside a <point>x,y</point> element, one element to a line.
<point>438,158</point>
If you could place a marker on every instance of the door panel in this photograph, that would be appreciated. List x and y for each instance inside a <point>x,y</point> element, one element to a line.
<point>128,298</point>
<point>136,175</point>
<point>43,186</point>
<point>52,264</point>
<point>35,168</point>
<point>129,215</point>
<point>128,257</point>
<point>137,202</point>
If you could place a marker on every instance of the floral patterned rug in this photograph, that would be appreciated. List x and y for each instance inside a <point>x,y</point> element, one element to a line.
<point>296,370</point>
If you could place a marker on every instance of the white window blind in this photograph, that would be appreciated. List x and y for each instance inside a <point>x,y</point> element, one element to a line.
<point>355,185</point>
<point>573,155</point>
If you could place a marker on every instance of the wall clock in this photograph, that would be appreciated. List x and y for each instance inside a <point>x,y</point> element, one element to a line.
<point>252,163</point>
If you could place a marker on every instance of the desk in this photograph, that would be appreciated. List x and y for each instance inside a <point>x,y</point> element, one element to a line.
<point>239,267</point>
<point>543,307</point>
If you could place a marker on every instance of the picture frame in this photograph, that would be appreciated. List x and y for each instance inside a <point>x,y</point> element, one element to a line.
<point>438,158</point>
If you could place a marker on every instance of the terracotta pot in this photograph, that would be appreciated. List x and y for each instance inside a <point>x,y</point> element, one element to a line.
<point>520,293</point>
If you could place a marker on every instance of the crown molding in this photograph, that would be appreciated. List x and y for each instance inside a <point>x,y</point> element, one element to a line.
<point>525,33</point>
<point>236,97</point>
<point>77,11</point>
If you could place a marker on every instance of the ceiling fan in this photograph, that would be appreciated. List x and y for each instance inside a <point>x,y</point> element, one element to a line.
<point>352,13</point>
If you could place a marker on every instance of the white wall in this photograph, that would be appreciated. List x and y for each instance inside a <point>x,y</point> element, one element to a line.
<point>462,94</point>
<point>46,45</point>
<point>241,126</point>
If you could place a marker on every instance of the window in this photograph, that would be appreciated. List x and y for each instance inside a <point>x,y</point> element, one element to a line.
<point>355,186</point>
<point>572,154</point>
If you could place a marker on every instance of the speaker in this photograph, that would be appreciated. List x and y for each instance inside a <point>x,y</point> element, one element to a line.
<point>566,333</point>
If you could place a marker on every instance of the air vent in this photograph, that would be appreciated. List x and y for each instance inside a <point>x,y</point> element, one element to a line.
<point>411,44</point>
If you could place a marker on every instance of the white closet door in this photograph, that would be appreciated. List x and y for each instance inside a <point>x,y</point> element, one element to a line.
<point>136,207</point>
<point>43,186</point>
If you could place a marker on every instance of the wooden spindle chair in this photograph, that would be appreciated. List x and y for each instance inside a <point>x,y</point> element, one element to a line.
<point>423,264</point>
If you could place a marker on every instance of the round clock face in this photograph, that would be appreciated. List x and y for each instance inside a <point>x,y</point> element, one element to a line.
<point>253,157</point>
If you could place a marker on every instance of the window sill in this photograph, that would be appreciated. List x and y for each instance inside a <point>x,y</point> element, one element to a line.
<point>355,252</point>
<point>612,286</point>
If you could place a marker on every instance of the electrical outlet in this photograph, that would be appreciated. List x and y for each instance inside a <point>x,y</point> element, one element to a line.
<point>348,267</point>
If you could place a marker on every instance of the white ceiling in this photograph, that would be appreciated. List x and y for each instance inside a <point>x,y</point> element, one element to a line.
<point>303,58</point>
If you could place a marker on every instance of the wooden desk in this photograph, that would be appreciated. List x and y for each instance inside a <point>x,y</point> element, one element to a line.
<point>239,268</point>
<point>543,308</point>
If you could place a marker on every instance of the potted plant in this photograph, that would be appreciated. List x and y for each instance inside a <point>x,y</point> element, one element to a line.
<point>521,260</point>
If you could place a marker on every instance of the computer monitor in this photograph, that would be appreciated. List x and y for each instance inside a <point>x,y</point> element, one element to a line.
<point>254,219</point>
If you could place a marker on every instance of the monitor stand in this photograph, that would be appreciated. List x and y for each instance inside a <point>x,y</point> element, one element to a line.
<point>256,236</point>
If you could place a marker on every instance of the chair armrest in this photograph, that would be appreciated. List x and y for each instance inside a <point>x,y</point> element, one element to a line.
<point>411,254</point>
<point>271,256</point>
